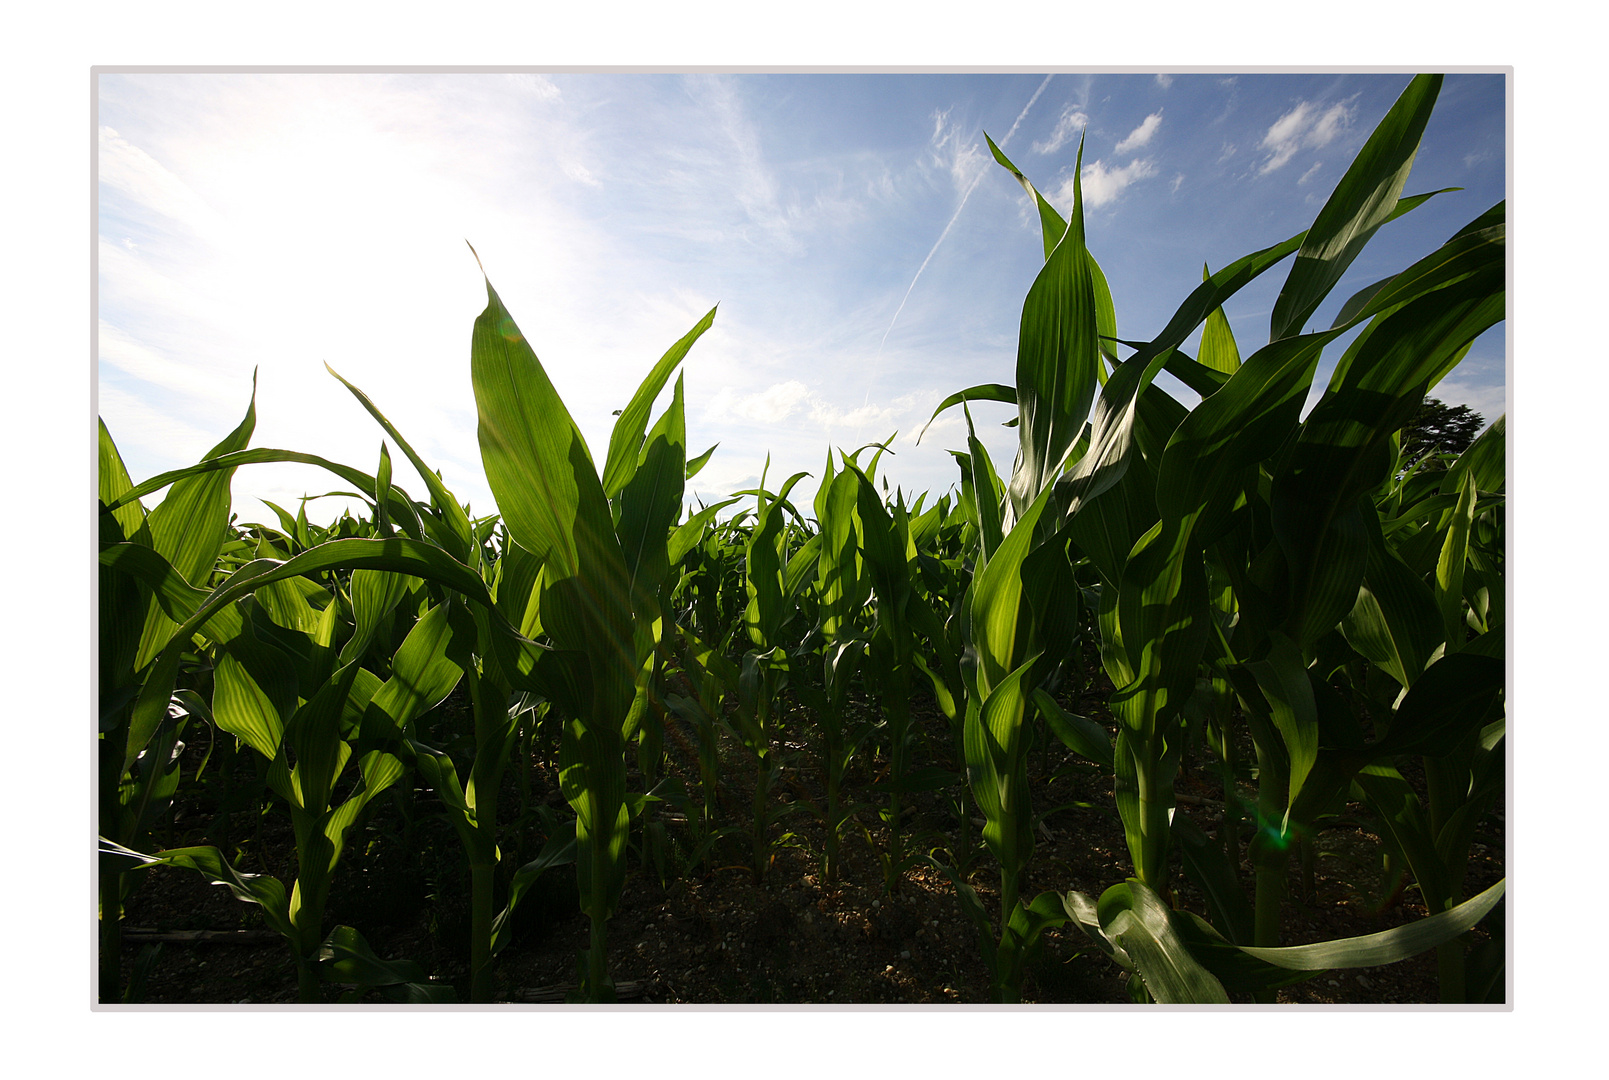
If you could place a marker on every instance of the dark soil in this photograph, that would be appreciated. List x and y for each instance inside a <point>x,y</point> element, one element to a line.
<point>710,933</point>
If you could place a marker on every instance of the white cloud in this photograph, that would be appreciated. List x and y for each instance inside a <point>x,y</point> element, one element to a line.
<point>955,148</point>
<point>782,400</point>
<point>1490,401</point>
<point>1071,124</point>
<point>579,172</point>
<point>1140,135</point>
<point>137,176</point>
<point>538,86</point>
<point>209,387</point>
<point>1227,153</point>
<point>753,183</point>
<point>769,406</point>
<point>1310,173</point>
<point>1164,81</point>
<point>1305,127</point>
<point>1103,184</point>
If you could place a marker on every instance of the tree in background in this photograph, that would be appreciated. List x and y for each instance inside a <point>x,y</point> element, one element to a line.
<point>1438,428</point>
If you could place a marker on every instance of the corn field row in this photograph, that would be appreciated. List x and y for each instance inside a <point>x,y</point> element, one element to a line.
<point>1248,571</point>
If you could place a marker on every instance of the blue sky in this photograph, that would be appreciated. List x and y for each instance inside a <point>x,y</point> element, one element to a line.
<point>868,256</point>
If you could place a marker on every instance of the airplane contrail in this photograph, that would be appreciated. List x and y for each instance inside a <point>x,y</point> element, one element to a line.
<point>965,196</point>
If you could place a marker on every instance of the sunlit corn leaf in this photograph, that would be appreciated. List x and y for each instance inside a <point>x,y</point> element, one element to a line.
<point>626,439</point>
<point>1218,351</point>
<point>1058,361</point>
<point>1052,228</point>
<point>1360,204</point>
<point>459,538</point>
<point>1134,926</point>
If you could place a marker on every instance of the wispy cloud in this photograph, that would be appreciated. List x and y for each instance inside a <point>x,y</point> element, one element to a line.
<point>1164,81</point>
<point>753,184</point>
<point>954,148</point>
<point>139,177</point>
<point>1103,183</point>
<point>1310,173</point>
<point>1069,126</point>
<point>792,398</point>
<point>1305,127</point>
<point>940,134</point>
<point>769,406</point>
<point>1488,399</point>
<point>1140,135</point>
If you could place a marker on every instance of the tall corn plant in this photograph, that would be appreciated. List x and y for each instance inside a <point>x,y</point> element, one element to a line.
<point>596,569</point>
<point>1295,567</point>
<point>179,541</point>
<point>1021,613</point>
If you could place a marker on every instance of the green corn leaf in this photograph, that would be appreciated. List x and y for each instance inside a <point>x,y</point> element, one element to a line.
<point>176,596</point>
<point>115,485</point>
<point>999,631</point>
<point>996,769</point>
<point>1453,697</point>
<point>1344,449</point>
<point>1197,376</point>
<point>1398,808</point>
<point>314,734</point>
<point>626,440</point>
<point>696,465</point>
<point>254,693</point>
<point>989,498</point>
<point>1468,251</point>
<point>425,670</point>
<point>593,780</point>
<point>1283,680</point>
<point>553,505</point>
<point>1362,202</point>
<point>1058,361</point>
<point>1079,734</point>
<point>1052,229</point>
<point>983,392</point>
<point>394,554</point>
<point>375,595</point>
<point>1395,623</point>
<point>650,501</point>
<point>1388,946</point>
<point>1218,350</point>
<point>459,533</point>
<point>686,536</point>
<point>188,529</point>
<point>842,589</point>
<point>1206,864</point>
<point>1450,566</point>
<point>400,509</point>
<point>559,850</point>
<point>1136,921</point>
<point>345,957</point>
<point>1484,461</point>
<point>267,892</point>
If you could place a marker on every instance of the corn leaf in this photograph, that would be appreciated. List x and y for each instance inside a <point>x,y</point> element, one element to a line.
<point>1362,202</point>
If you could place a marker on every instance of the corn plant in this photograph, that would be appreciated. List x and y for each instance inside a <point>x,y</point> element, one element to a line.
<point>176,544</point>
<point>597,596</point>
